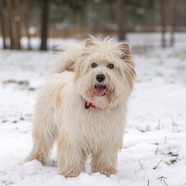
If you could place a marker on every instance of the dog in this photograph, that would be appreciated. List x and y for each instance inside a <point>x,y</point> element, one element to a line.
<point>83,106</point>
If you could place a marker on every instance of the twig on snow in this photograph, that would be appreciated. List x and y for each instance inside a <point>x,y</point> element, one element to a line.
<point>174,125</point>
<point>141,165</point>
<point>165,182</point>
<point>162,178</point>
<point>157,164</point>
<point>157,150</point>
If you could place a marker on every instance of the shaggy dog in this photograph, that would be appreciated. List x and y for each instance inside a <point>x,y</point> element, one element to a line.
<point>83,105</point>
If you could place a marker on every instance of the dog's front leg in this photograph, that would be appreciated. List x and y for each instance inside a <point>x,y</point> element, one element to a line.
<point>71,158</point>
<point>105,162</point>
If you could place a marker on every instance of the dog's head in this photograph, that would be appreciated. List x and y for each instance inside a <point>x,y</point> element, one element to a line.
<point>104,74</point>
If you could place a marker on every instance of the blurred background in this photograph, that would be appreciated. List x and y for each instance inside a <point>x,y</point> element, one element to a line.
<point>45,24</point>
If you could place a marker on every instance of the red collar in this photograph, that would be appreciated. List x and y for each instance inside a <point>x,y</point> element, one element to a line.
<point>88,105</point>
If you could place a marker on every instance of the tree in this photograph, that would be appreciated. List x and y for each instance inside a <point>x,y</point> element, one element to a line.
<point>44,23</point>
<point>17,19</point>
<point>26,21</point>
<point>14,23</point>
<point>78,7</point>
<point>120,20</point>
<point>163,23</point>
<point>130,8</point>
<point>89,16</point>
<point>10,25</point>
<point>2,25</point>
<point>173,21</point>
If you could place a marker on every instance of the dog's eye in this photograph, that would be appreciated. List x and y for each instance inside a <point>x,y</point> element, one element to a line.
<point>111,66</point>
<point>93,65</point>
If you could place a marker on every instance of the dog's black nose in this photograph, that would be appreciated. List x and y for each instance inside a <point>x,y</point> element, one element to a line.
<point>100,77</point>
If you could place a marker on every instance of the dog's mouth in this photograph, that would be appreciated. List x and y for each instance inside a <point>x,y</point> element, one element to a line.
<point>100,90</point>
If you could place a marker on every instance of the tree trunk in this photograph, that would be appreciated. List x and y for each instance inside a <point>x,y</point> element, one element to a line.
<point>78,24</point>
<point>26,22</point>
<point>17,19</point>
<point>152,19</point>
<point>2,25</point>
<point>120,20</point>
<point>163,23</point>
<point>173,22</point>
<point>10,24</point>
<point>44,23</point>
<point>89,17</point>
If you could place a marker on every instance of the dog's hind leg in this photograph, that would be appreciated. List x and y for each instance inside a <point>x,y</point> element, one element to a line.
<point>44,132</point>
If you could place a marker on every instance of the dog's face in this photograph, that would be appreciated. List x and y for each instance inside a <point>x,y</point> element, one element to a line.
<point>104,74</point>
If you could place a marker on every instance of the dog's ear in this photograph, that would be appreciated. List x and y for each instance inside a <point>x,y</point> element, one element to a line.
<point>126,56</point>
<point>89,42</point>
<point>126,50</point>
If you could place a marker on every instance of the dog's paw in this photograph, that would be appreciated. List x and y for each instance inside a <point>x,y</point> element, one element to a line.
<point>106,171</point>
<point>35,157</point>
<point>69,174</point>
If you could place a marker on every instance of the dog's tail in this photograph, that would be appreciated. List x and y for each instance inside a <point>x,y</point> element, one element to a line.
<point>64,60</point>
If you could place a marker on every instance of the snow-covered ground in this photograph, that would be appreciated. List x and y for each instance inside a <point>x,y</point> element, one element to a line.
<point>154,150</point>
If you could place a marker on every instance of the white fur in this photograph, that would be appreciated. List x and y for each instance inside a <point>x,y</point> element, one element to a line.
<point>60,109</point>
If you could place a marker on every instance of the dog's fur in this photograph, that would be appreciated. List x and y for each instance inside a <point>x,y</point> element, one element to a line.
<point>72,85</point>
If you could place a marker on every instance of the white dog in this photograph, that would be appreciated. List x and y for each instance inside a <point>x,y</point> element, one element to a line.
<point>83,105</point>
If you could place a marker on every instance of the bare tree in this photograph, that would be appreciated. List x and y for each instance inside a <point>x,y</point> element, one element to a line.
<point>78,23</point>
<point>120,20</point>
<point>44,23</point>
<point>26,21</point>
<point>17,19</point>
<point>163,22</point>
<point>89,16</point>
<point>10,25</point>
<point>173,21</point>
<point>2,25</point>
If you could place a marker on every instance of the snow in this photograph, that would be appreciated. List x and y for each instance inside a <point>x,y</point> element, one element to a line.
<point>154,150</point>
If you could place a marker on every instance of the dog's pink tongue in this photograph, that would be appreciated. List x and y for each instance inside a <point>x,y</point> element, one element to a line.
<point>100,91</point>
